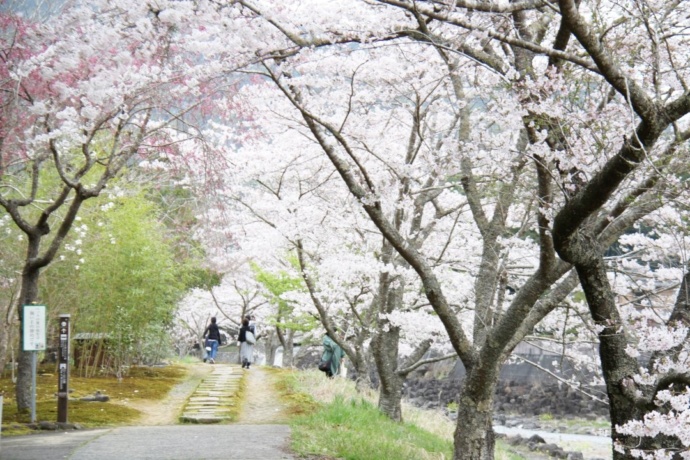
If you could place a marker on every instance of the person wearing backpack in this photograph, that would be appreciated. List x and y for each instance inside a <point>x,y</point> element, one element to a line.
<point>246,340</point>
<point>332,357</point>
<point>212,340</point>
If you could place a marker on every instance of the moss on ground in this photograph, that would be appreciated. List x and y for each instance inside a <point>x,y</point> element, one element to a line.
<point>142,383</point>
<point>297,401</point>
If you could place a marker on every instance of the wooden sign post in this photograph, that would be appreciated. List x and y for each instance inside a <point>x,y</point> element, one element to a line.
<point>63,369</point>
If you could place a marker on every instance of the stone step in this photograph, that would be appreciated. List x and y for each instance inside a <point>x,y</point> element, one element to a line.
<point>196,418</point>
<point>210,406</point>
<point>212,401</point>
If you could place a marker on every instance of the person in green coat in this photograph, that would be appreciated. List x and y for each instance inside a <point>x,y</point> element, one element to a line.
<point>332,354</point>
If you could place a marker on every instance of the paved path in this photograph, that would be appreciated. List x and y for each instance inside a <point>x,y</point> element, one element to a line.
<point>174,442</point>
<point>257,435</point>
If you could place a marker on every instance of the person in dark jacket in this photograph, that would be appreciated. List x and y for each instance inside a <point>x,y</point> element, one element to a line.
<point>246,346</point>
<point>333,355</point>
<point>212,336</point>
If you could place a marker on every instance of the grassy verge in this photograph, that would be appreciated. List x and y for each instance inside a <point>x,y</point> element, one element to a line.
<point>333,420</point>
<point>142,383</point>
<point>355,429</point>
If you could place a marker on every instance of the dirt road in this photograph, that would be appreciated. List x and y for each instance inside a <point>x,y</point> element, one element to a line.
<point>261,403</point>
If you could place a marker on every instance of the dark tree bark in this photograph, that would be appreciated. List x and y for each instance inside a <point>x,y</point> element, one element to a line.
<point>385,350</point>
<point>474,435</point>
<point>575,243</point>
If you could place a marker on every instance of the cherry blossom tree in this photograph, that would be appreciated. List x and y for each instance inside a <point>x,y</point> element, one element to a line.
<point>558,94</point>
<point>89,92</point>
<point>289,200</point>
<point>295,193</point>
<point>420,208</point>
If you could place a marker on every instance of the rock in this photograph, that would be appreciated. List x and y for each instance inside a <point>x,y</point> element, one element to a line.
<point>553,450</point>
<point>536,439</point>
<point>98,397</point>
<point>47,426</point>
<point>575,456</point>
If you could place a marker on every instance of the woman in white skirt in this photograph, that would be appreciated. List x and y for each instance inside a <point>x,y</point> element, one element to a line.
<point>246,341</point>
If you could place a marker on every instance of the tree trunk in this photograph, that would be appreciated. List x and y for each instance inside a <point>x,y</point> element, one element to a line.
<point>289,349</point>
<point>270,348</point>
<point>24,382</point>
<point>615,363</point>
<point>617,366</point>
<point>385,351</point>
<point>582,249</point>
<point>474,437</point>
<point>29,294</point>
<point>390,397</point>
<point>361,368</point>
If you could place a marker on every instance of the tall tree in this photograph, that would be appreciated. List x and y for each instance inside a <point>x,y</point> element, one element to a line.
<point>567,108</point>
<point>85,93</point>
<point>355,281</point>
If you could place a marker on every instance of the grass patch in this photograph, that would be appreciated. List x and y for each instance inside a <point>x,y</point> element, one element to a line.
<point>297,401</point>
<point>331,419</point>
<point>142,383</point>
<point>355,429</point>
<point>598,424</point>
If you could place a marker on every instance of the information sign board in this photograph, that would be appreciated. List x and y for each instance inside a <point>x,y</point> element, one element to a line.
<point>34,327</point>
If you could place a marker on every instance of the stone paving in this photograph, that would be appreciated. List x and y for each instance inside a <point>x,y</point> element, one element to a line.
<point>214,398</point>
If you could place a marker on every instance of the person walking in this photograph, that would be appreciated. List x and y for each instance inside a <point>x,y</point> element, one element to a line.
<point>332,356</point>
<point>212,340</point>
<point>246,340</point>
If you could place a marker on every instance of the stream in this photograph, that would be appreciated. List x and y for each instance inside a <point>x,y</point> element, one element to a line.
<point>592,447</point>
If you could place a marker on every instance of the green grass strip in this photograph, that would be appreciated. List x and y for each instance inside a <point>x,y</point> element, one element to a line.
<point>355,430</point>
